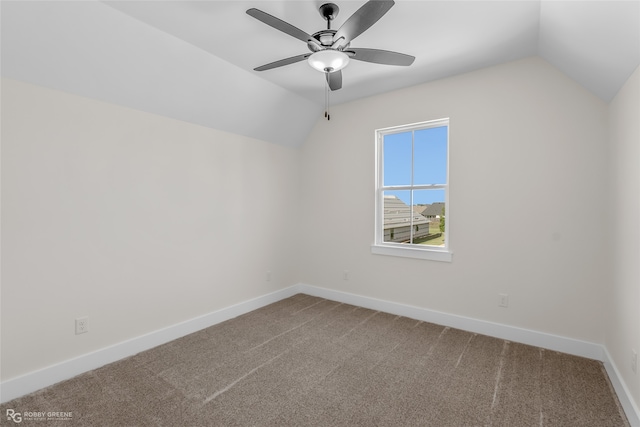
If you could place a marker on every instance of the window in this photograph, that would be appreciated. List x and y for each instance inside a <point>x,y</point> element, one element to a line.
<point>412,191</point>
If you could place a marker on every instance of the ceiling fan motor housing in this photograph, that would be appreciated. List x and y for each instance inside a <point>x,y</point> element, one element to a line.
<point>322,39</point>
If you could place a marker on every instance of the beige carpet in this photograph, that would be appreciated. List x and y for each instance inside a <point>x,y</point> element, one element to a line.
<point>311,361</point>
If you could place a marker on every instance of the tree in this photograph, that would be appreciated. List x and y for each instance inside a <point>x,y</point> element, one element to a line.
<point>442,221</point>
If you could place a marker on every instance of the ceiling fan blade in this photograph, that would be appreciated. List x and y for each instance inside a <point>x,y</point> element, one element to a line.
<point>380,56</point>
<point>279,24</point>
<point>335,80</point>
<point>360,21</point>
<point>283,62</point>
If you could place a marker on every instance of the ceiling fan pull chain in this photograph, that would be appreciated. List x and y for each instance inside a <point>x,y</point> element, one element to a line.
<point>326,102</point>
<point>326,99</point>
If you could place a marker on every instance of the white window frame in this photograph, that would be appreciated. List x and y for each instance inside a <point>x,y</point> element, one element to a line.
<point>409,250</point>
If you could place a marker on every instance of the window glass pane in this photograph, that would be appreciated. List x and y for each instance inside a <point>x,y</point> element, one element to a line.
<point>430,156</point>
<point>397,159</point>
<point>412,189</point>
<point>430,205</point>
<point>396,223</point>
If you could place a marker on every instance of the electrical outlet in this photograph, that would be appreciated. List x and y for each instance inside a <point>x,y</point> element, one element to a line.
<point>82,325</point>
<point>345,275</point>
<point>503,300</point>
<point>634,361</point>
<point>268,276</point>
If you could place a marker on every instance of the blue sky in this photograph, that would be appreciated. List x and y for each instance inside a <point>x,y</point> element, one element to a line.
<point>430,163</point>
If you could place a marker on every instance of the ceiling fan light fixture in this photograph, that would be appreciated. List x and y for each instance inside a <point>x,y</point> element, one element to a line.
<point>328,60</point>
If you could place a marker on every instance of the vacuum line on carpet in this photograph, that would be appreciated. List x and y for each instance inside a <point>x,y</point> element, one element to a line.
<point>303,309</point>
<point>292,329</point>
<point>383,357</point>
<point>498,380</point>
<point>228,387</point>
<point>465,348</point>
<point>359,324</point>
<point>499,373</point>
<point>395,346</point>
<point>433,346</point>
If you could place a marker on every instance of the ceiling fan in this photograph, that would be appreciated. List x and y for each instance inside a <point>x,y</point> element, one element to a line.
<point>330,49</point>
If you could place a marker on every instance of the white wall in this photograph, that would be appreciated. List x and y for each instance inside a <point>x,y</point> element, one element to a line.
<point>140,221</point>
<point>623,311</point>
<point>134,220</point>
<point>527,200</point>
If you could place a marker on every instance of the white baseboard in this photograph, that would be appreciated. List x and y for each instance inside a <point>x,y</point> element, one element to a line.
<point>33,381</point>
<point>629,406</point>
<point>45,377</point>
<point>510,333</point>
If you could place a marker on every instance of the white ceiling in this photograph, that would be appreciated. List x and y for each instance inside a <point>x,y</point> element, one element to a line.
<point>194,60</point>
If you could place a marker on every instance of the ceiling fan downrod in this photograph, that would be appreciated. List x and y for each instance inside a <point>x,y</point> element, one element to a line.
<point>329,11</point>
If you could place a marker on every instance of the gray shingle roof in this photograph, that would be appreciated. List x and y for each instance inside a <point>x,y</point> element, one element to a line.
<point>434,209</point>
<point>397,213</point>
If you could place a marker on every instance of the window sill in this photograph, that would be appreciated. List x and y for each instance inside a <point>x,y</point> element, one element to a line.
<point>412,252</point>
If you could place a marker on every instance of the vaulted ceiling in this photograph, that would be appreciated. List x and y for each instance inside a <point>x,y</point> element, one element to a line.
<point>194,60</point>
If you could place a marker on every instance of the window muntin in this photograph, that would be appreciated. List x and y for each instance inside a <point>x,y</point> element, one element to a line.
<point>412,187</point>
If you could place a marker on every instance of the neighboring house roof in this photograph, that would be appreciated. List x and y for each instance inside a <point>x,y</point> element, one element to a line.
<point>398,214</point>
<point>434,209</point>
<point>419,208</point>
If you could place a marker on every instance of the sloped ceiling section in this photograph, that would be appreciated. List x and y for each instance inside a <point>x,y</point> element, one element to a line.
<point>92,50</point>
<point>194,60</point>
<point>597,43</point>
<point>446,37</point>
